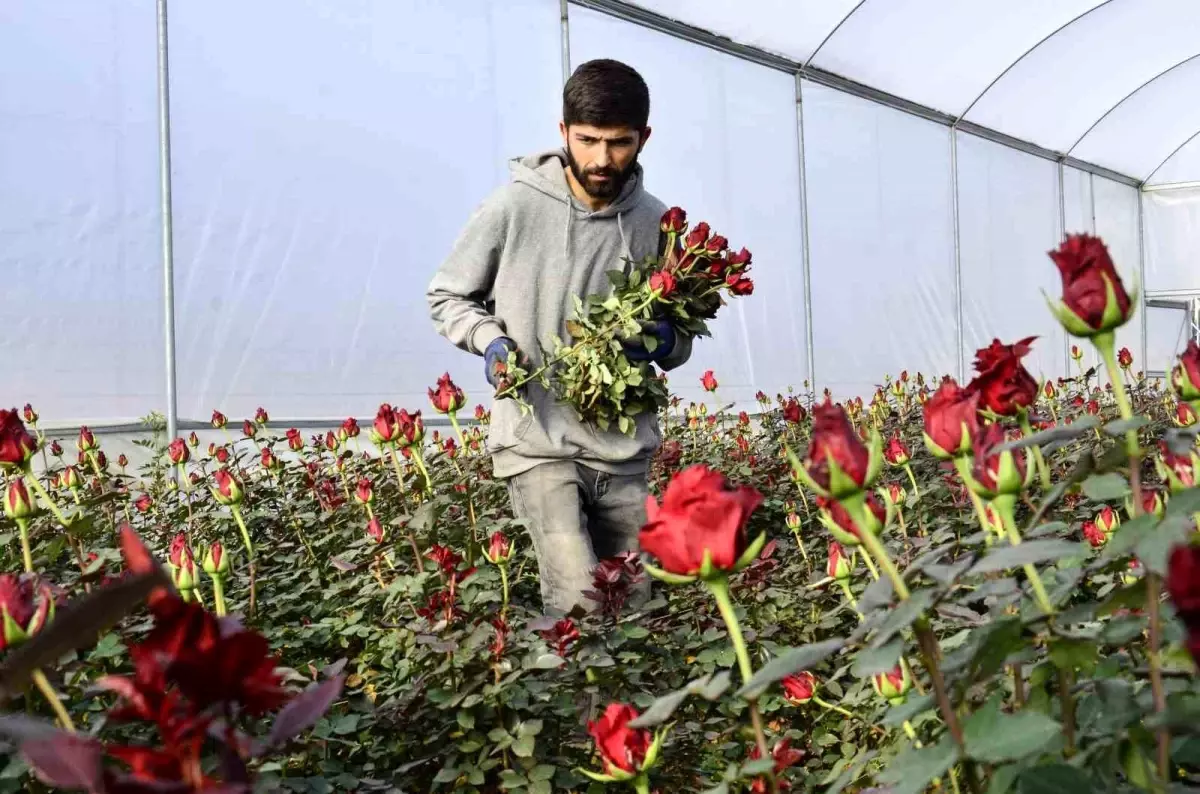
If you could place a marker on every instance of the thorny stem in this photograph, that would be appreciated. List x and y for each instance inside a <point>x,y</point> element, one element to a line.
<point>1004,506</point>
<point>237,516</point>
<point>641,784</point>
<point>912,479</point>
<point>831,707</point>
<point>39,678</point>
<point>720,590</point>
<point>37,486</point>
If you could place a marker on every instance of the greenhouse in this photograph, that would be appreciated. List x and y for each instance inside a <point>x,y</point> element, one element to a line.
<point>916,509</point>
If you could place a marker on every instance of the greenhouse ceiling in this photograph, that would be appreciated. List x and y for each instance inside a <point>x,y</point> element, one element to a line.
<point>1105,82</point>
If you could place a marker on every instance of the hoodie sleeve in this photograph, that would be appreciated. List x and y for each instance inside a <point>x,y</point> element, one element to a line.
<point>463,284</point>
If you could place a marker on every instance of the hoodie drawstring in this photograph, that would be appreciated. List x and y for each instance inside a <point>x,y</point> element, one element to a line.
<point>567,243</point>
<point>628,252</point>
<point>624,239</point>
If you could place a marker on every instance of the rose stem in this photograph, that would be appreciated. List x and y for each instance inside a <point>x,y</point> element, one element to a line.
<point>39,678</point>
<point>1004,506</point>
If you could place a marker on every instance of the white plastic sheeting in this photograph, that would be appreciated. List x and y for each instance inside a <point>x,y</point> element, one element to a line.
<point>1172,220</point>
<point>317,188</point>
<point>880,208</point>
<point>79,244</point>
<point>1116,213</point>
<point>1008,220</point>
<point>725,147</point>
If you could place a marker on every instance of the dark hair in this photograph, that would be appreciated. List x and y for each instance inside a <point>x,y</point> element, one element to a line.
<point>606,93</point>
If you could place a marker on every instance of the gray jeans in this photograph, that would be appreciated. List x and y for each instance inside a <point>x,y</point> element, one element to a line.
<point>577,516</point>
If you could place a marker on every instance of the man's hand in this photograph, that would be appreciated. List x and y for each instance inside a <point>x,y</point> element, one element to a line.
<point>663,334</point>
<point>495,362</point>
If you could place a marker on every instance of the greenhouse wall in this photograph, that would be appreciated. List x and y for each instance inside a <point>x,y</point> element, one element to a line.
<point>325,155</point>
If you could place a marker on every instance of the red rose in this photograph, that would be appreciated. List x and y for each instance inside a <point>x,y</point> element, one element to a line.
<point>951,419</point>
<point>622,748</point>
<point>1183,582</point>
<point>16,444</point>
<point>716,245</point>
<point>218,420</point>
<point>1185,415</point>
<point>793,411</point>
<point>1125,358</point>
<point>26,604</point>
<point>375,530</point>
<point>1093,534</point>
<point>896,452</point>
<point>663,283</point>
<point>384,427</point>
<point>179,452</point>
<point>701,514</point>
<point>840,523</point>
<point>1005,387</point>
<point>998,472</point>
<point>448,398</point>
<point>261,416</point>
<point>249,429</point>
<point>834,440</point>
<point>739,284</point>
<point>364,492</point>
<point>738,261</point>
<point>143,503</point>
<point>697,238</point>
<point>1088,274</point>
<point>295,439</point>
<point>708,381</point>
<point>1185,376</point>
<point>673,221</point>
<point>799,688</point>
<point>784,756</point>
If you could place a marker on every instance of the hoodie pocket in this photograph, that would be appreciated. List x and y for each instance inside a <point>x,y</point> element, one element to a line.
<point>509,426</point>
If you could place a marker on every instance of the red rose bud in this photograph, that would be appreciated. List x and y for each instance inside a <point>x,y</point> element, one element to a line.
<point>951,420</point>
<point>375,530</point>
<point>1094,299</point>
<point>800,688</point>
<point>1108,520</point>
<point>1183,582</point>
<point>178,451</point>
<point>1178,470</point>
<point>739,261</point>
<point>896,452</point>
<point>143,503</point>
<point>55,449</point>
<point>364,493</point>
<point>1005,387</point>
<point>24,607</point>
<point>783,756</point>
<point>1049,391</point>
<point>840,565</point>
<point>482,415</point>
<point>16,444</point>
<point>1125,358</point>
<point>222,455</point>
<point>739,285</point>
<point>894,684</point>
<point>1185,376</point>
<point>700,527</point>
<point>836,518</point>
<point>216,560</point>
<point>625,751</point>
<point>500,550</point>
<point>30,415</point>
<point>70,478</point>
<point>249,429</point>
<point>838,464</point>
<point>219,420</point>
<point>793,411</point>
<point>18,504</point>
<point>697,238</point>
<point>708,381</point>
<point>1185,415</point>
<point>1093,407</point>
<point>194,478</point>
<point>715,245</point>
<point>792,521</point>
<point>122,461</point>
<point>229,490</point>
<point>260,416</point>
<point>183,565</point>
<point>663,283</point>
<point>295,440</point>
<point>894,495</point>
<point>998,473</point>
<point>447,398</point>
<point>1076,353</point>
<point>1094,535</point>
<point>674,221</point>
<point>383,429</point>
<point>1153,503</point>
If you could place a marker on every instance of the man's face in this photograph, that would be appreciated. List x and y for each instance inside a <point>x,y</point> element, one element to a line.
<point>602,158</point>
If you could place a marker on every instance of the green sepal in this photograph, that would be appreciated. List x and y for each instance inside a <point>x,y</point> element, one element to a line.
<point>875,457</point>
<point>753,550</point>
<point>599,778</point>
<point>13,633</point>
<point>667,576</point>
<point>801,474</point>
<point>842,484</point>
<point>652,752</point>
<point>843,537</point>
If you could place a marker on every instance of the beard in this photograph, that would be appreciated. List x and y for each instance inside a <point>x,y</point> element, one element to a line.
<point>601,189</point>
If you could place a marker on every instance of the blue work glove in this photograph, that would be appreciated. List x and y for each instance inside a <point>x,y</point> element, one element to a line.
<point>663,333</point>
<point>496,353</point>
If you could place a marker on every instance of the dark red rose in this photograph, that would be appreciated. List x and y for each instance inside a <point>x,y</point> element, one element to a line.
<point>700,512</point>
<point>178,451</point>
<point>663,283</point>
<point>16,444</point>
<point>447,398</point>
<point>739,284</point>
<point>896,452</point>
<point>716,245</point>
<point>1125,358</point>
<point>1087,273</point>
<point>1183,582</point>
<point>261,416</point>
<point>834,438</point>
<point>841,517</point>
<point>620,746</point>
<point>738,261</point>
<point>986,468</point>
<point>1185,376</point>
<point>563,634</point>
<point>249,429</point>
<point>385,424</point>
<point>697,238</point>
<point>237,669</point>
<point>951,418</point>
<point>793,411</point>
<point>27,604</point>
<point>673,220</point>
<point>1005,387</point>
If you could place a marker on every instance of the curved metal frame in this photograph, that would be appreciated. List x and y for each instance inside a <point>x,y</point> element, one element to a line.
<point>808,61</point>
<point>1128,96</point>
<point>1025,54</point>
<point>1167,159</point>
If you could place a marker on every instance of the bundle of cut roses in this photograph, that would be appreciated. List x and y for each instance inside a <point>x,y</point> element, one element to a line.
<point>606,372</point>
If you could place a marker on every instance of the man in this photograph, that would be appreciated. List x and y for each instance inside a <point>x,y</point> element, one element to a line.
<point>566,218</point>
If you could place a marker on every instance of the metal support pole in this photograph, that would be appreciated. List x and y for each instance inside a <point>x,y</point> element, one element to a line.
<point>565,33</point>
<point>1141,238</point>
<point>805,263</point>
<point>960,328</point>
<point>1062,233</point>
<point>164,171</point>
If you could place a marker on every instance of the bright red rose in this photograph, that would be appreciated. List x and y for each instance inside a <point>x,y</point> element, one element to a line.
<point>143,503</point>
<point>16,444</point>
<point>384,428</point>
<point>708,381</point>
<point>178,451</point>
<point>1005,387</point>
<point>951,419</point>
<point>1088,274</point>
<point>896,452</point>
<point>229,490</point>
<point>499,548</point>
<point>1185,376</point>
<point>799,688</point>
<point>448,398</point>
<point>701,514</point>
<point>834,440</point>
<point>620,746</point>
<point>1094,534</point>
<point>739,284</point>
<point>663,283</point>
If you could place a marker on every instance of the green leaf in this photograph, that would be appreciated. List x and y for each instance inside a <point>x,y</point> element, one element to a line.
<point>1106,487</point>
<point>1154,548</point>
<point>1034,551</point>
<point>709,687</point>
<point>903,615</point>
<point>1060,433</point>
<point>911,771</point>
<point>994,736</point>
<point>913,705</point>
<point>1003,779</point>
<point>792,660</point>
<point>878,660</point>
<point>1054,779</point>
<point>1122,426</point>
<point>1184,502</point>
<point>542,772</point>
<point>523,746</point>
<point>346,724</point>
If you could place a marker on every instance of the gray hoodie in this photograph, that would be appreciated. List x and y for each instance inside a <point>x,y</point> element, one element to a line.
<point>524,252</point>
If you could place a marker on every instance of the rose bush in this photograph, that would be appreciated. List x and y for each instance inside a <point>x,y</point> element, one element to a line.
<point>333,615</point>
